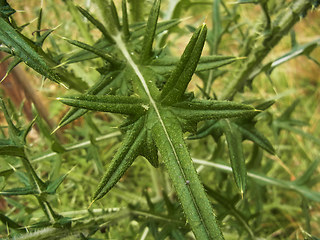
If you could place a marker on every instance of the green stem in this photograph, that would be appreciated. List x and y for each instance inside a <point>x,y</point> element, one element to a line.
<point>84,227</point>
<point>264,45</point>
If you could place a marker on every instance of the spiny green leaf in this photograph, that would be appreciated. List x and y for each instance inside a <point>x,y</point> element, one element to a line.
<point>14,132</point>
<point>53,185</point>
<point>125,21</point>
<point>161,27</point>
<point>11,66</point>
<point>96,23</point>
<point>43,37</point>
<point>5,9</point>
<point>101,53</point>
<point>265,105</point>
<point>18,191</point>
<point>99,88</point>
<point>169,140</point>
<point>165,65</point>
<point>210,127</point>
<point>305,49</point>
<point>123,159</point>
<point>146,49</point>
<point>216,22</point>
<point>149,151</point>
<point>252,134</point>
<point>110,16</point>
<point>39,22</point>
<point>22,49</point>
<point>136,34</point>
<point>12,150</point>
<point>180,78</point>
<point>230,206</point>
<point>10,223</point>
<point>107,103</point>
<point>83,27</point>
<point>237,160</point>
<point>199,110</point>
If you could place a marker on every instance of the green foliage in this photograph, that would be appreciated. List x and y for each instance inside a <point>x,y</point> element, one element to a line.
<point>143,90</point>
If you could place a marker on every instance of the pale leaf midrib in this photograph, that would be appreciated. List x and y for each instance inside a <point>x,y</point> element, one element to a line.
<point>121,45</point>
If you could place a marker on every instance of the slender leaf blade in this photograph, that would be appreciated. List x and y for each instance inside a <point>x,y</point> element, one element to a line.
<point>150,32</point>
<point>99,88</point>
<point>255,136</point>
<point>166,65</point>
<point>22,49</point>
<point>180,78</point>
<point>197,208</point>
<point>237,160</point>
<point>123,159</point>
<point>107,103</point>
<point>12,150</point>
<point>199,110</point>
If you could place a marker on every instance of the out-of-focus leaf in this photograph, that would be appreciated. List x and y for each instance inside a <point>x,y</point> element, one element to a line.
<point>247,1</point>
<point>10,223</point>
<point>230,206</point>
<point>303,180</point>
<point>53,185</point>
<point>10,149</point>
<point>298,50</point>
<point>5,9</point>
<point>96,23</point>
<point>166,65</point>
<point>288,127</point>
<point>125,21</point>
<point>236,156</point>
<point>109,15</point>
<point>146,50</point>
<point>264,180</point>
<point>216,21</point>
<point>99,52</point>
<point>255,136</point>
<point>18,191</point>
<point>82,25</point>
<point>11,66</point>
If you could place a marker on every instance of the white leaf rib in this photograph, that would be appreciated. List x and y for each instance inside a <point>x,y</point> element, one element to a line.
<point>121,45</point>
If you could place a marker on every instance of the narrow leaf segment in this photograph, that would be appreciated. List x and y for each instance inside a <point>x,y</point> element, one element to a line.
<point>182,173</point>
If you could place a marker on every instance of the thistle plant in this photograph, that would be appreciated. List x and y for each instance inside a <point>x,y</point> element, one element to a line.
<point>149,87</point>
